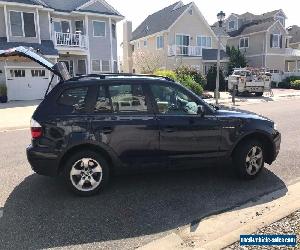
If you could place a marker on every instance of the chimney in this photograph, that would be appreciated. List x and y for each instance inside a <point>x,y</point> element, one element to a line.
<point>127,47</point>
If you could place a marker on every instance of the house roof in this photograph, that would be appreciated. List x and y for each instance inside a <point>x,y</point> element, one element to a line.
<point>294,32</point>
<point>46,47</point>
<point>252,27</point>
<point>160,20</point>
<point>99,7</point>
<point>212,54</point>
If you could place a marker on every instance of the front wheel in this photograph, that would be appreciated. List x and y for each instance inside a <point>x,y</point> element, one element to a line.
<point>248,159</point>
<point>86,173</point>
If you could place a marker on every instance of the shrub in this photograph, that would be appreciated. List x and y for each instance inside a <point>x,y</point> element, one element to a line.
<point>189,71</point>
<point>295,84</point>
<point>166,73</point>
<point>211,79</point>
<point>189,82</point>
<point>273,84</point>
<point>3,90</point>
<point>284,85</point>
<point>292,79</point>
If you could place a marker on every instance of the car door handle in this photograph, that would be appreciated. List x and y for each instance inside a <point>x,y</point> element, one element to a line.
<point>107,130</point>
<point>169,129</point>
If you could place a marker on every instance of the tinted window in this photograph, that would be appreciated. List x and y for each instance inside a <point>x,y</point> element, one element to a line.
<point>16,23</point>
<point>29,25</point>
<point>102,104</point>
<point>171,100</point>
<point>127,98</point>
<point>75,97</point>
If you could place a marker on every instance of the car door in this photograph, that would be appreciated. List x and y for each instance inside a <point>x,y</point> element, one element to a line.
<point>184,135</point>
<point>124,120</point>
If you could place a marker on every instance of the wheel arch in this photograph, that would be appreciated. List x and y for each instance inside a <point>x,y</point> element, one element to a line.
<point>87,146</point>
<point>264,138</point>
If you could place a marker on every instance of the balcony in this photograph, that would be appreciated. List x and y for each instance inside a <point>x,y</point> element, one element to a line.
<point>182,50</point>
<point>292,52</point>
<point>70,40</point>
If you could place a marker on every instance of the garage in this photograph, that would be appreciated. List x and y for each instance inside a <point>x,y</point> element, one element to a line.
<point>26,83</point>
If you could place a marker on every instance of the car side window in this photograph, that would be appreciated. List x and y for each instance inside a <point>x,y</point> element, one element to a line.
<point>74,98</point>
<point>103,104</point>
<point>172,100</point>
<point>127,98</point>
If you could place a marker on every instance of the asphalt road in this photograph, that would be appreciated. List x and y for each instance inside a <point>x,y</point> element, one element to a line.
<point>38,212</point>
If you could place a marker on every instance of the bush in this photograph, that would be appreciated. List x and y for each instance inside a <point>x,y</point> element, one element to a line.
<point>292,79</point>
<point>166,73</point>
<point>189,71</point>
<point>295,84</point>
<point>3,90</point>
<point>211,79</point>
<point>273,84</point>
<point>284,85</point>
<point>189,82</point>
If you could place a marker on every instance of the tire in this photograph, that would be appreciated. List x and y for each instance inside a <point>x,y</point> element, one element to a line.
<point>248,165</point>
<point>86,173</point>
<point>259,93</point>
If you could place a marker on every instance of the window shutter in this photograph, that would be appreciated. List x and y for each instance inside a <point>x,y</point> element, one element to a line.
<point>281,41</point>
<point>271,40</point>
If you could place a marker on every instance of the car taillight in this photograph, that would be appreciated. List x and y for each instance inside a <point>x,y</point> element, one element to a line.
<point>36,129</point>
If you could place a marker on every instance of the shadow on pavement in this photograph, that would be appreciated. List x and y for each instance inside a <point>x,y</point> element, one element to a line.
<point>41,213</point>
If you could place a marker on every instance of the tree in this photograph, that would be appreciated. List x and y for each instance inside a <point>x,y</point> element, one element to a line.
<point>147,62</point>
<point>236,59</point>
<point>211,79</point>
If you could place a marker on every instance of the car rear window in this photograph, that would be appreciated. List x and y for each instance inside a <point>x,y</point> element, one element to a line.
<point>74,97</point>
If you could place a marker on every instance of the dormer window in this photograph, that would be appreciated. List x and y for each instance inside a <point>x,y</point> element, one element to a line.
<point>191,12</point>
<point>281,19</point>
<point>232,25</point>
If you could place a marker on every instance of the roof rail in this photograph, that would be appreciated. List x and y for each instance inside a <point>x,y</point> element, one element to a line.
<point>108,75</point>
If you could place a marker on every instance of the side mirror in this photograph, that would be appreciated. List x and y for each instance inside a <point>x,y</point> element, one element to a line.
<point>201,110</point>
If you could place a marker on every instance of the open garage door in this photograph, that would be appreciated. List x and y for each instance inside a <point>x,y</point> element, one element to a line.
<point>26,83</point>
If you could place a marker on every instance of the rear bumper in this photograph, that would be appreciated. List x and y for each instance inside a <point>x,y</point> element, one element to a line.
<point>42,161</point>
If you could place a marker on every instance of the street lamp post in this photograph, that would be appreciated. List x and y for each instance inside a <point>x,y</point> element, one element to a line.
<point>221,17</point>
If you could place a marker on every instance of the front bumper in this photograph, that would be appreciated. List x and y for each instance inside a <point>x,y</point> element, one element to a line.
<point>42,161</point>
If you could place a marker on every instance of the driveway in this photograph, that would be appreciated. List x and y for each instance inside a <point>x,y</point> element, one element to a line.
<point>38,212</point>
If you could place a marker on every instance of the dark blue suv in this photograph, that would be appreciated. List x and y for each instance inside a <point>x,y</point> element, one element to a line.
<point>90,127</point>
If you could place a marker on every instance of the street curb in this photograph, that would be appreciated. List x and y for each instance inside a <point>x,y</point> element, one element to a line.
<point>11,129</point>
<point>224,229</point>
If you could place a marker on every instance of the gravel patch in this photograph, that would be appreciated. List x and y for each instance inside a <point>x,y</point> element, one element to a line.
<point>288,225</point>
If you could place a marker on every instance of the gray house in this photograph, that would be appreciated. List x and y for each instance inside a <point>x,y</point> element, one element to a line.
<point>263,39</point>
<point>80,33</point>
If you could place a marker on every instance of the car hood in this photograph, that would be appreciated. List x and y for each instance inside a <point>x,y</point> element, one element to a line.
<point>238,113</point>
<point>58,68</point>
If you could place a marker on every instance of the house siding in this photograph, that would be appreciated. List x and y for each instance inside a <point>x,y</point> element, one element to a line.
<point>2,23</point>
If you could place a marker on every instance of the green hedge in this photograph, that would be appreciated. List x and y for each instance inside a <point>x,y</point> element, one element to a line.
<point>3,90</point>
<point>295,84</point>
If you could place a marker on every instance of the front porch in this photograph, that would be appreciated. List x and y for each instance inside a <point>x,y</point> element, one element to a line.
<point>292,60</point>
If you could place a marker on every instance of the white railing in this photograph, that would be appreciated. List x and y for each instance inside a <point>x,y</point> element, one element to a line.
<point>70,40</point>
<point>292,52</point>
<point>181,50</point>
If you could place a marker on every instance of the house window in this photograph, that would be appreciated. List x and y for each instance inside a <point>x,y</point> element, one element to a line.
<point>17,73</point>
<point>231,25</point>
<point>244,42</point>
<point>145,43</point>
<point>159,42</point>
<point>191,12</point>
<point>96,65</point>
<point>22,24</point>
<point>38,73</point>
<point>99,28</point>
<point>62,26</point>
<point>281,20</point>
<point>204,41</point>
<point>113,30</point>
<point>81,67</point>
<point>79,27</point>
<point>105,66</point>
<point>276,41</point>
<point>182,42</point>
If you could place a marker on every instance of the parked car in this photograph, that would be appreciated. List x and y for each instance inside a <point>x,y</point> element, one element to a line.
<point>90,127</point>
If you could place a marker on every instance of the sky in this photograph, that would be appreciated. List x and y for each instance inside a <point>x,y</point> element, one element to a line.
<point>137,10</point>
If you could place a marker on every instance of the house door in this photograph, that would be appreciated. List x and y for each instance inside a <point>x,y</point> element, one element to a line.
<point>70,66</point>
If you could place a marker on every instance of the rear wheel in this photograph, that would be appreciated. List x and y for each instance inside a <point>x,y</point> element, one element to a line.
<point>248,159</point>
<point>259,93</point>
<point>86,173</point>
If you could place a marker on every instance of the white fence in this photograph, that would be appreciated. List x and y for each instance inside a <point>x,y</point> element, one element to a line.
<point>70,40</point>
<point>279,77</point>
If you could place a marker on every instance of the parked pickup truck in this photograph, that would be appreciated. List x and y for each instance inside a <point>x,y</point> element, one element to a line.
<point>249,81</point>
